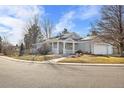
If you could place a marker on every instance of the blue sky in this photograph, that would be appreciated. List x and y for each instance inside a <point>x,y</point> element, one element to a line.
<point>75,18</point>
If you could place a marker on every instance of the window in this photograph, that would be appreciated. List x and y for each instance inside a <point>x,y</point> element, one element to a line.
<point>34,46</point>
<point>69,46</point>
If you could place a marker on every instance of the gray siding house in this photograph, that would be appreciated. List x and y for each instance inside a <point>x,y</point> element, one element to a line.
<point>69,42</point>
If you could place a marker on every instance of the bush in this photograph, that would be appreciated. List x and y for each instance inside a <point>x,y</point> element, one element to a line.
<point>44,50</point>
<point>9,51</point>
<point>79,52</point>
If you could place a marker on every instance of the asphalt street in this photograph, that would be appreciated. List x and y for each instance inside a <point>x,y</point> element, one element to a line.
<point>32,75</point>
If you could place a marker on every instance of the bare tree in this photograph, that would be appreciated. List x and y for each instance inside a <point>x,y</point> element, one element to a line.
<point>93,31</point>
<point>47,28</point>
<point>7,47</point>
<point>111,26</point>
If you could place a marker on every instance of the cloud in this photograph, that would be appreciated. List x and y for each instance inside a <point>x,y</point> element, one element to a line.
<point>20,11</point>
<point>82,13</point>
<point>65,21</point>
<point>3,30</point>
<point>14,18</point>
<point>88,12</point>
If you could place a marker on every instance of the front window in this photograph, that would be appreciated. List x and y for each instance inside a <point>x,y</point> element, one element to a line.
<point>33,46</point>
<point>69,46</point>
<point>55,45</point>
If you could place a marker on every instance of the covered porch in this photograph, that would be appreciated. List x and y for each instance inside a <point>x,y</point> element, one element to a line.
<point>64,47</point>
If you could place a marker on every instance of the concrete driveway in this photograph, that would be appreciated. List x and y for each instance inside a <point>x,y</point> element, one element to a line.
<point>19,74</point>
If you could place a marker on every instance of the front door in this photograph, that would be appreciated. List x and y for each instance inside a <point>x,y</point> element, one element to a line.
<point>60,48</point>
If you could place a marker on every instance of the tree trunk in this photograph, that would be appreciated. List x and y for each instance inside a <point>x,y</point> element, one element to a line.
<point>0,47</point>
<point>121,49</point>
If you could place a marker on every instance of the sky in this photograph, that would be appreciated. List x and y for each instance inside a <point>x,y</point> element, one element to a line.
<point>75,18</point>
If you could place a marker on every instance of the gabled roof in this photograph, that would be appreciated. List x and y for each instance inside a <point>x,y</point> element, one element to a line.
<point>93,38</point>
<point>69,35</point>
<point>89,38</point>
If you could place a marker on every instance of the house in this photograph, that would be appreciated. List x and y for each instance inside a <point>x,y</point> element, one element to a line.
<point>69,42</point>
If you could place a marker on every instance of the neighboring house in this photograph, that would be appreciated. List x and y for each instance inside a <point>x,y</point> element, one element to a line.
<point>69,42</point>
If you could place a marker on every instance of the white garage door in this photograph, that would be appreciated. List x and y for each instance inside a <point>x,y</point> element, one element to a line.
<point>102,49</point>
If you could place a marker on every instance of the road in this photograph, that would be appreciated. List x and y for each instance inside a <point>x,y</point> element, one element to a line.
<point>32,75</point>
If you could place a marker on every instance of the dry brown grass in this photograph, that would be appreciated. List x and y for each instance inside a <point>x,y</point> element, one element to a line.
<point>35,57</point>
<point>94,59</point>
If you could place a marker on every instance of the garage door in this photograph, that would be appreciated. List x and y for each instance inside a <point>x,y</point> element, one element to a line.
<point>100,49</point>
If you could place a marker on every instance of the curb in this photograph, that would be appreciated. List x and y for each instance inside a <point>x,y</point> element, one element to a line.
<point>89,64</point>
<point>28,61</point>
<point>19,60</point>
<point>50,62</point>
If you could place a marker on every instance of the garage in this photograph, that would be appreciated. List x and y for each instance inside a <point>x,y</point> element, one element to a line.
<point>102,49</point>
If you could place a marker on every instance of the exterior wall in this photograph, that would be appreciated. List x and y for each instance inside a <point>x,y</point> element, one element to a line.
<point>85,46</point>
<point>110,49</point>
<point>95,48</point>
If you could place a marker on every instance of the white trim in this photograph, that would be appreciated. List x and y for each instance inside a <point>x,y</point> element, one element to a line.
<point>52,46</point>
<point>64,52</point>
<point>69,39</point>
<point>73,47</point>
<point>64,41</point>
<point>57,47</point>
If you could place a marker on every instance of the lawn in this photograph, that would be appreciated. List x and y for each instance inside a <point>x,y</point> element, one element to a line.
<point>35,57</point>
<point>94,59</point>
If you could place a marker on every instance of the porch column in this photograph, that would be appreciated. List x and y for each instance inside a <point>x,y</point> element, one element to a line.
<point>73,47</point>
<point>57,47</point>
<point>64,48</point>
<point>52,46</point>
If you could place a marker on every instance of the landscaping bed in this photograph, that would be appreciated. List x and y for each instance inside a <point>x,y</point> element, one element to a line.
<point>94,59</point>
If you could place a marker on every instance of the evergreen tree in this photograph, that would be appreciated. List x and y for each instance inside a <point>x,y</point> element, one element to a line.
<point>21,50</point>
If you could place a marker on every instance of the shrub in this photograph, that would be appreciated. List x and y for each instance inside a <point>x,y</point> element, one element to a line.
<point>79,52</point>
<point>9,50</point>
<point>44,49</point>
